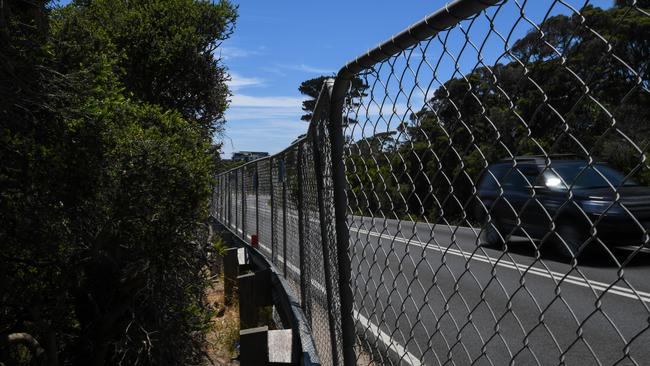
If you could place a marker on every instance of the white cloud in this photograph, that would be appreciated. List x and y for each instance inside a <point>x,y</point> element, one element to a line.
<point>307,68</point>
<point>247,107</point>
<point>262,123</point>
<point>241,100</point>
<point>273,70</point>
<point>230,52</point>
<point>270,135</point>
<point>237,81</point>
<point>316,70</point>
<point>259,113</point>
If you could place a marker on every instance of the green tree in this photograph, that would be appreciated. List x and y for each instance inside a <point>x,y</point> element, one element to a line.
<point>161,51</point>
<point>533,103</point>
<point>105,184</point>
<point>312,87</point>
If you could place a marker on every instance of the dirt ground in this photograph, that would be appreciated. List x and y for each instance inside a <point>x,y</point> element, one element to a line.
<point>225,332</point>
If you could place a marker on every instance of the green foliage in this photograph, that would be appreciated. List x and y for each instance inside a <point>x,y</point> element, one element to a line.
<point>162,50</point>
<point>219,246</point>
<point>105,182</point>
<point>312,87</point>
<point>428,169</point>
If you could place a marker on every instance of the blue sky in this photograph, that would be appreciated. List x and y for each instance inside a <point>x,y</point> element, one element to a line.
<point>279,44</point>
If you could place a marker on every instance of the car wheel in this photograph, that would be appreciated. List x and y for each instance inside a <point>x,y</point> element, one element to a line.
<point>491,235</point>
<point>568,239</point>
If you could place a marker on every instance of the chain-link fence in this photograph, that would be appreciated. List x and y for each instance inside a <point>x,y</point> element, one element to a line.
<point>278,204</point>
<point>479,185</point>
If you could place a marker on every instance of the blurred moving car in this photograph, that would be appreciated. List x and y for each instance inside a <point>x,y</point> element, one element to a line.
<point>568,202</point>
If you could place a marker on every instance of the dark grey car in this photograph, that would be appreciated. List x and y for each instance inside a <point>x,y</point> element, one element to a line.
<point>568,202</point>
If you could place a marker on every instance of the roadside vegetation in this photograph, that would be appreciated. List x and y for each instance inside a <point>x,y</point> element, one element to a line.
<point>107,113</point>
<point>533,101</point>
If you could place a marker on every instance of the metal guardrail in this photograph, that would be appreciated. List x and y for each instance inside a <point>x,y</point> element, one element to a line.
<point>287,307</point>
<point>450,204</point>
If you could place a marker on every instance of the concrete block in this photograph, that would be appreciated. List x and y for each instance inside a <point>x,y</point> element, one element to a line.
<point>280,346</point>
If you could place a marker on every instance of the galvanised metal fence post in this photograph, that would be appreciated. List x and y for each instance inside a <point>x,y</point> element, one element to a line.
<point>322,218</point>
<point>256,182</point>
<point>301,233</point>
<point>229,178</point>
<point>235,189</point>
<point>218,190</point>
<point>284,213</point>
<point>338,94</point>
<point>243,203</point>
<point>272,211</point>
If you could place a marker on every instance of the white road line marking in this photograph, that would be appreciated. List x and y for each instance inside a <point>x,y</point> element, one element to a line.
<point>579,281</point>
<point>386,339</point>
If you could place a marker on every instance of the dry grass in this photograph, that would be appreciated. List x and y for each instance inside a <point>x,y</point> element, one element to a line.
<point>225,332</point>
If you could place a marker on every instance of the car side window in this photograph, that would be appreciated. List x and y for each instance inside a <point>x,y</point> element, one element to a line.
<point>520,178</point>
<point>490,182</point>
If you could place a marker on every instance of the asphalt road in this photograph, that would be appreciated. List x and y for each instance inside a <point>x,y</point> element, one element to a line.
<point>431,295</point>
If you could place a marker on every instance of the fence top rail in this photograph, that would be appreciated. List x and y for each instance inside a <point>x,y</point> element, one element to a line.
<point>444,18</point>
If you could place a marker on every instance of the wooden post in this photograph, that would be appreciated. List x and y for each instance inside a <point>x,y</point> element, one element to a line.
<point>230,273</point>
<point>254,292</point>
<point>253,346</point>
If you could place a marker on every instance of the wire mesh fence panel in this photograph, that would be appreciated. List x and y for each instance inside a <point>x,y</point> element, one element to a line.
<point>232,200</point>
<point>316,307</point>
<point>292,211</point>
<point>235,190</point>
<point>264,202</point>
<point>497,185</point>
<point>330,261</point>
<point>249,201</point>
<point>498,189</point>
<point>278,212</point>
<point>218,206</point>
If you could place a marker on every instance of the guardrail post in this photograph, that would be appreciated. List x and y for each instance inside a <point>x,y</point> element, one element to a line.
<point>301,234</point>
<point>261,346</point>
<point>230,271</point>
<point>254,292</point>
<point>253,345</point>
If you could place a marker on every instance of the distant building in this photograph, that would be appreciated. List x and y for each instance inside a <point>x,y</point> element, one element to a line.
<point>248,155</point>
